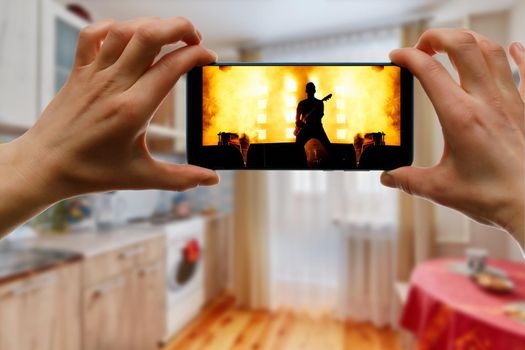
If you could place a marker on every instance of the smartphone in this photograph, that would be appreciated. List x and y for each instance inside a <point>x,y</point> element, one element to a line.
<point>294,116</point>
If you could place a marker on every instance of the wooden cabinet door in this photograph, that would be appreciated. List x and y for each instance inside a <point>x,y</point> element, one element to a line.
<point>164,116</point>
<point>27,312</point>
<point>108,308</point>
<point>18,62</point>
<point>42,312</point>
<point>217,266</point>
<point>149,306</point>
<point>67,313</point>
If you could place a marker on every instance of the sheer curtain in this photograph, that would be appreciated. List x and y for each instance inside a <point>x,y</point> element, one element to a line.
<point>332,244</point>
<point>333,235</point>
<point>367,216</point>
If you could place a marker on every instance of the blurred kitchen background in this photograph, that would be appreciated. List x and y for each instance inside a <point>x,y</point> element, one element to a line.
<point>264,260</point>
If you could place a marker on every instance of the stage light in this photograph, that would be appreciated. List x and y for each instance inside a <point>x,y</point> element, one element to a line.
<point>261,134</point>
<point>291,101</point>
<point>291,85</point>
<point>290,116</point>
<point>261,118</point>
<point>263,104</point>
<point>262,90</point>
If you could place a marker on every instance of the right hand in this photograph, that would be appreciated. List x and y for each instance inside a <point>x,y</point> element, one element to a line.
<point>482,170</point>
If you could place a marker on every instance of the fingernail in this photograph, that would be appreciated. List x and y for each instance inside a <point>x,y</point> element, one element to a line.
<point>210,181</point>
<point>393,53</point>
<point>214,54</point>
<point>198,34</point>
<point>520,46</point>
<point>387,179</point>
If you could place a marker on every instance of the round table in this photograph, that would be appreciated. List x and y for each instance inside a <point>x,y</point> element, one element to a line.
<point>446,310</point>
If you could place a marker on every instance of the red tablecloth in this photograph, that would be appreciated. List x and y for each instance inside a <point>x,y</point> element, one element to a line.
<point>446,310</point>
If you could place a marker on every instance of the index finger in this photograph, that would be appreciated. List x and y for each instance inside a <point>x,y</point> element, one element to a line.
<point>444,93</point>
<point>497,62</point>
<point>464,52</point>
<point>89,41</point>
<point>149,38</point>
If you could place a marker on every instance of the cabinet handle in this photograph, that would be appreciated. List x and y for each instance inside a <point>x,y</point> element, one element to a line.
<point>131,252</point>
<point>149,270</point>
<point>107,287</point>
<point>36,284</point>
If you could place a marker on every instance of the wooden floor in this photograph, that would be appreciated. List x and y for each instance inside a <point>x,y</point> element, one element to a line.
<point>222,326</point>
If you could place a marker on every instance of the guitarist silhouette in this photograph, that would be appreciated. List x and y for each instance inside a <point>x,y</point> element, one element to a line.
<point>308,118</point>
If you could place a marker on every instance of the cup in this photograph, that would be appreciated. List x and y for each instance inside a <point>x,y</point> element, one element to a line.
<point>476,259</point>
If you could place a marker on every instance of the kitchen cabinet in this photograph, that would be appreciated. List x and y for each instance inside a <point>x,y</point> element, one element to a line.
<point>37,47</point>
<point>163,119</point>
<point>148,319</point>
<point>42,312</point>
<point>218,264</point>
<point>124,297</point>
<point>18,62</point>
<point>180,92</point>
<point>167,131</point>
<point>107,314</point>
<point>58,35</point>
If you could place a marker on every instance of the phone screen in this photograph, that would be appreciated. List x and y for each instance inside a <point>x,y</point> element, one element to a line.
<point>301,116</point>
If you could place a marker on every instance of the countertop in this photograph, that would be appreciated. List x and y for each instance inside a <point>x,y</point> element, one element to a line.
<point>46,251</point>
<point>31,256</point>
<point>90,243</point>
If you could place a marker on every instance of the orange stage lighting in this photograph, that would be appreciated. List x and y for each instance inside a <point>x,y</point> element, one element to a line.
<point>261,101</point>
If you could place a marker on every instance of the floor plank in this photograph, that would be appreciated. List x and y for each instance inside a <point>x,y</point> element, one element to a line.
<point>223,326</point>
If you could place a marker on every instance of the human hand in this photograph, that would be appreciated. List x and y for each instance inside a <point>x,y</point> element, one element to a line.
<point>91,137</point>
<point>482,170</point>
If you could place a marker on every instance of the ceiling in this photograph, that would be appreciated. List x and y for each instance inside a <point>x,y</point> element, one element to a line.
<point>241,23</point>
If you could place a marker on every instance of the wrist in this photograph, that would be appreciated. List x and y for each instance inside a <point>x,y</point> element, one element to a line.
<point>30,175</point>
<point>517,227</point>
<point>512,218</point>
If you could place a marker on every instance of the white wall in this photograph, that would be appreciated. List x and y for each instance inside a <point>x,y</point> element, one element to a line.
<point>517,22</point>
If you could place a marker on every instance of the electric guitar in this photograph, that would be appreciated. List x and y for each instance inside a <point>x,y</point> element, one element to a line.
<point>304,118</point>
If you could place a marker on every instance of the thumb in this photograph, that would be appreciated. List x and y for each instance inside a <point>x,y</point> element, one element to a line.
<point>412,180</point>
<point>180,177</point>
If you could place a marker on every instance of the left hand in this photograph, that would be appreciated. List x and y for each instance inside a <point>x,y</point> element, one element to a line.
<point>92,135</point>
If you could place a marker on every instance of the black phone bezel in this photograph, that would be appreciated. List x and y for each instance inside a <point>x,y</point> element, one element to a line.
<point>196,151</point>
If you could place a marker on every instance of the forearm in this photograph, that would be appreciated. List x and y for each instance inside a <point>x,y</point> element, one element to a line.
<point>25,188</point>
